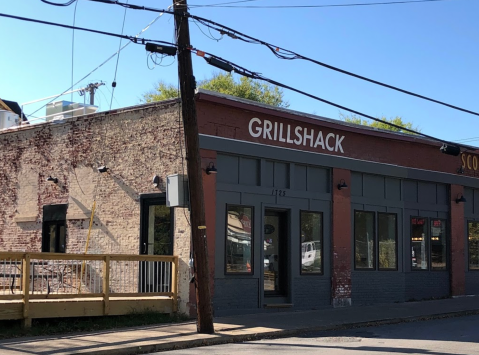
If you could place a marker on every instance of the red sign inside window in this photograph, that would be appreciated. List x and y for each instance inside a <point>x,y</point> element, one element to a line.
<point>418,221</point>
<point>246,222</point>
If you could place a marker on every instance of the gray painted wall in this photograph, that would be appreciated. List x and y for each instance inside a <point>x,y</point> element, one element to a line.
<point>252,182</point>
<point>407,199</point>
<point>247,175</point>
<point>471,213</point>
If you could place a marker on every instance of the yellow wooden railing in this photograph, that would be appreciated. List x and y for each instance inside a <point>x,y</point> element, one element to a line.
<point>98,284</point>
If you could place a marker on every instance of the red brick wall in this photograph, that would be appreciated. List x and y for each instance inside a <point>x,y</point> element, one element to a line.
<point>135,143</point>
<point>458,266</point>
<point>232,121</point>
<point>341,240</point>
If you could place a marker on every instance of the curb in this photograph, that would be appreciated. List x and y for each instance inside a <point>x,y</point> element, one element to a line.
<point>227,339</point>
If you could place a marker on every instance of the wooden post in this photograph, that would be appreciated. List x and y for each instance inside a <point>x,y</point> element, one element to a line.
<point>106,285</point>
<point>174,284</point>
<point>198,222</point>
<point>27,321</point>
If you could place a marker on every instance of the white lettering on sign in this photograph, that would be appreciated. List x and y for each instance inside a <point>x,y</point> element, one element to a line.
<point>299,136</point>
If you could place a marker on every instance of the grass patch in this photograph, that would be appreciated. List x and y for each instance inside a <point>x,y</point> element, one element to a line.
<point>54,326</point>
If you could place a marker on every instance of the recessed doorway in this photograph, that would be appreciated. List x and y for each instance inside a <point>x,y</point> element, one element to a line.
<point>275,270</point>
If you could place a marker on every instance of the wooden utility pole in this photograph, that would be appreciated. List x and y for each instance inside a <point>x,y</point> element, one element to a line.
<point>197,204</point>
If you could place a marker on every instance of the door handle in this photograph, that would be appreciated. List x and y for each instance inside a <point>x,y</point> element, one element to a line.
<point>144,248</point>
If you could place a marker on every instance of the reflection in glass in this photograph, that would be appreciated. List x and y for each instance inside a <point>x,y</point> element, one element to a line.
<point>364,240</point>
<point>53,237</point>
<point>438,244</point>
<point>155,277</point>
<point>311,242</point>
<point>238,239</point>
<point>159,224</point>
<point>473,241</point>
<point>387,240</point>
<point>271,254</point>
<point>419,243</point>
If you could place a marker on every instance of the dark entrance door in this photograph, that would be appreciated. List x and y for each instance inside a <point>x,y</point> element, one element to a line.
<point>275,253</point>
<point>54,228</point>
<point>155,239</point>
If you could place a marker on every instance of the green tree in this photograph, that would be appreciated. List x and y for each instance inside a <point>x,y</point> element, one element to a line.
<point>245,88</point>
<point>398,121</point>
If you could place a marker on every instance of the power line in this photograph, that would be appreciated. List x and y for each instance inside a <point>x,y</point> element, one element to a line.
<point>117,60</point>
<point>73,43</point>
<point>131,38</point>
<point>314,6</point>
<point>253,75</point>
<point>283,53</point>
<point>103,63</point>
<point>132,6</point>
<point>223,3</point>
<point>241,71</point>
<point>58,4</point>
<point>471,139</point>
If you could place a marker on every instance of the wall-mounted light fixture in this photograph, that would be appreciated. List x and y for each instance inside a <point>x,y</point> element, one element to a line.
<point>102,169</point>
<point>342,185</point>
<point>211,169</point>
<point>156,181</point>
<point>450,149</point>
<point>52,179</point>
<point>460,198</point>
<point>460,170</point>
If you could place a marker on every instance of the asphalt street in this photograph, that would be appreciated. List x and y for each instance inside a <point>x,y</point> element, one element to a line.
<point>435,337</point>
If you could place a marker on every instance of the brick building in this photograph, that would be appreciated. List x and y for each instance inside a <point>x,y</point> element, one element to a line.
<point>304,211</point>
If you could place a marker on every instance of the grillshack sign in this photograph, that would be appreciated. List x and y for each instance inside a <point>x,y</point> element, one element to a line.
<point>295,135</point>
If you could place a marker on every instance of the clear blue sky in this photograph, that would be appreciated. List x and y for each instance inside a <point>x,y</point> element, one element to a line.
<point>430,48</point>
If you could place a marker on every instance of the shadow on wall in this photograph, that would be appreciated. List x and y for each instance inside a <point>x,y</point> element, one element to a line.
<point>86,210</point>
<point>120,181</point>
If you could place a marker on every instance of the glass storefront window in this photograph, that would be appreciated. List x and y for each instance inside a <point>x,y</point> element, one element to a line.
<point>419,243</point>
<point>239,239</point>
<point>438,244</point>
<point>473,245</point>
<point>428,243</point>
<point>387,238</point>
<point>311,242</point>
<point>364,240</point>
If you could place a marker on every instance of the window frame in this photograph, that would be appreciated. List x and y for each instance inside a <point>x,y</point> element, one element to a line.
<point>374,268</point>
<point>429,246</point>
<point>147,200</point>
<point>395,240</point>
<point>51,218</point>
<point>443,220</point>
<point>247,273</point>
<point>468,248</point>
<point>311,273</point>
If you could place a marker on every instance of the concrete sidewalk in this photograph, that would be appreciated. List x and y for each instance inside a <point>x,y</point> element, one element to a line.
<point>236,329</point>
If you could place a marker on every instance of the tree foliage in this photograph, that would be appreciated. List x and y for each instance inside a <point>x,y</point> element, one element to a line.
<point>245,88</point>
<point>398,121</point>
